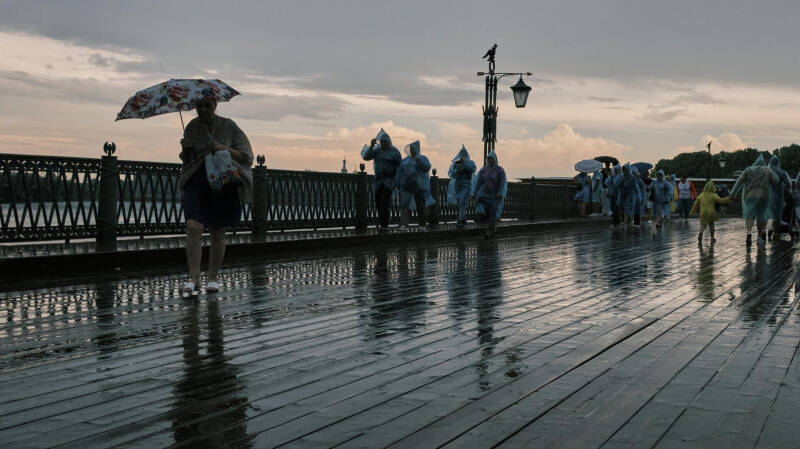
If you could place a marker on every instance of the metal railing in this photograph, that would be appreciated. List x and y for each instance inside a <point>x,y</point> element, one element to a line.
<point>60,198</point>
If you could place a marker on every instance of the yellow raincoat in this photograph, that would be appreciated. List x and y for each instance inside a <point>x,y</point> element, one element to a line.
<point>705,204</point>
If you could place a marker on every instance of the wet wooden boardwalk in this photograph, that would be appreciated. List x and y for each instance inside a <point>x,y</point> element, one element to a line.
<point>577,339</point>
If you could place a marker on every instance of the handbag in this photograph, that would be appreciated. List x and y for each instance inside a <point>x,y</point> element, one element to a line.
<point>221,172</point>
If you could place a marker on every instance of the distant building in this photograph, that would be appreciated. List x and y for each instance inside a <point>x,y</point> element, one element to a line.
<point>344,166</point>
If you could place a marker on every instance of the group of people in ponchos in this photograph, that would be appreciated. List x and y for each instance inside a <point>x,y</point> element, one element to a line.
<point>408,178</point>
<point>767,193</point>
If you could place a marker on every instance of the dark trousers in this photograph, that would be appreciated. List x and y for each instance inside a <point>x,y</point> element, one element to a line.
<point>685,205</point>
<point>422,209</point>
<point>383,202</point>
<point>615,214</point>
<point>637,219</point>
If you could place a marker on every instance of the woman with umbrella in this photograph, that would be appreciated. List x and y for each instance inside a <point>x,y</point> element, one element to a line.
<point>203,207</point>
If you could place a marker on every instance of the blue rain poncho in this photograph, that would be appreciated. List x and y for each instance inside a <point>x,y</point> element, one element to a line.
<point>755,183</point>
<point>385,162</point>
<point>460,174</point>
<point>612,185</point>
<point>629,193</point>
<point>663,192</point>
<point>488,185</point>
<point>784,184</point>
<point>597,186</point>
<point>582,194</point>
<point>641,200</point>
<point>412,177</point>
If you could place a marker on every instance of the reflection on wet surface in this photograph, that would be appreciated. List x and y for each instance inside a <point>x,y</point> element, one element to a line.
<point>526,340</point>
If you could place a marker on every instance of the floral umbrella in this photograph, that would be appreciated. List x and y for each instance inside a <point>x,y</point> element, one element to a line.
<point>174,95</point>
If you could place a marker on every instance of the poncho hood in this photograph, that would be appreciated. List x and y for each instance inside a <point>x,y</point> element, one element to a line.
<point>759,162</point>
<point>412,147</point>
<point>775,163</point>
<point>493,155</point>
<point>462,154</point>
<point>709,188</point>
<point>382,135</point>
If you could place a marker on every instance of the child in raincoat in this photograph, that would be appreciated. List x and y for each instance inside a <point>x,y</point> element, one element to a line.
<point>461,171</point>
<point>704,204</point>
<point>413,185</point>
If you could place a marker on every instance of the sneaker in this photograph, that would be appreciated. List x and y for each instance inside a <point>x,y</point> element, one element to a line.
<point>460,225</point>
<point>403,228</point>
<point>612,227</point>
<point>713,240</point>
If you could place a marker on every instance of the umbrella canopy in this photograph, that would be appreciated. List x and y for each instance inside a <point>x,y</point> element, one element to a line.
<point>642,167</point>
<point>607,159</point>
<point>174,95</point>
<point>588,165</point>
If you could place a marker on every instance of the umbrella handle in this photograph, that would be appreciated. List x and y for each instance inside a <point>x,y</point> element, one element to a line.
<point>181,115</point>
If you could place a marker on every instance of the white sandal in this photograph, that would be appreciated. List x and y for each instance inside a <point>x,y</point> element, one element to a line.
<point>188,287</point>
<point>212,287</point>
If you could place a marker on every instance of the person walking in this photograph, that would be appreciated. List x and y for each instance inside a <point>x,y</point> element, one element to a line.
<point>722,192</point>
<point>641,199</point>
<point>777,198</point>
<point>612,185</point>
<point>755,186</point>
<point>414,185</point>
<point>673,205</point>
<point>648,194</point>
<point>684,197</point>
<point>462,169</point>
<point>663,192</point>
<point>490,190</point>
<point>598,193</point>
<point>704,205</point>
<point>582,195</point>
<point>204,207</point>
<point>386,159</point>
<point>629,195</point>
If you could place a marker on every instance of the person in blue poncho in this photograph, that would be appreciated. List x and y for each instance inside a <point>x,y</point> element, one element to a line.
<point>413,185</point>
<point>582,195</point>
<point>461,171</point>
<point>629,194</point>
<point>490,190</point>
<point>639,205</point>
<point>663,192</point>
<point>612,193</point>
<point>755,186</point>
<point>386,158</point>
<point>597,191</point>
<point>778,195</point>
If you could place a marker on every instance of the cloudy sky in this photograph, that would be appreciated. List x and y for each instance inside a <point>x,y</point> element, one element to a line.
<point>640,80</point>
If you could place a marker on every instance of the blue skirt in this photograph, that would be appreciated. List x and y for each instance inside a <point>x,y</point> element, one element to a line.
<point>214,210</point>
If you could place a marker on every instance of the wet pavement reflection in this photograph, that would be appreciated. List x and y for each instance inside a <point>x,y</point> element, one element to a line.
<point>468,342</point>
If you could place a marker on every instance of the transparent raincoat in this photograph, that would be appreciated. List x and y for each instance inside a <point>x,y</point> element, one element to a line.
<point>490,182</point>
<point>629,192</point>
<point>784,185</point>
<point>460,174</point>
<point>385,162</point>
<point>755,185</point>
<point>412,177</point>
<point>663,191</point>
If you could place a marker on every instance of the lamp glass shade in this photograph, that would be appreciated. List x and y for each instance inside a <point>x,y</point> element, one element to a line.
<point>521,91</point>
<point>722,163</point>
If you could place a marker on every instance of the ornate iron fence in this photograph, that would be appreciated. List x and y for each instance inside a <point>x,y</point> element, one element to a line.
<point>59,198</point>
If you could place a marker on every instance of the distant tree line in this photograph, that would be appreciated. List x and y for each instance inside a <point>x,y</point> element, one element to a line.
<point>696,164</point>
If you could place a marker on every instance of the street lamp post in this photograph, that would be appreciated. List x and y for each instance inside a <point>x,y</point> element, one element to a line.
<point>520,89</point>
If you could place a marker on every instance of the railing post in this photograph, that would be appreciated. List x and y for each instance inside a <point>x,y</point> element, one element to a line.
<point>434,211</point>
<point>260,198</point>
<point>109,193</point>
<point>361,200</point>
<point>532,200</point>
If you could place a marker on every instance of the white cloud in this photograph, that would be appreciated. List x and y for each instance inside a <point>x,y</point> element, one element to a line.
<point>723,142</point>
